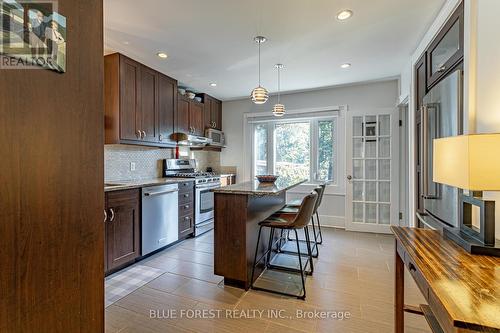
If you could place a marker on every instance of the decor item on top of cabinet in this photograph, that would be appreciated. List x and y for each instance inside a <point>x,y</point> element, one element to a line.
<point>279,109</point>
<point>38,42</point>
<point>260,95</point>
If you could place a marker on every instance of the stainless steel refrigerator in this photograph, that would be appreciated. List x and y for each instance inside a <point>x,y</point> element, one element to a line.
<point>441,117</point>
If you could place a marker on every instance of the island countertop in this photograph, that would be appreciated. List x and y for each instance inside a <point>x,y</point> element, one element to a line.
<point>259,189</point>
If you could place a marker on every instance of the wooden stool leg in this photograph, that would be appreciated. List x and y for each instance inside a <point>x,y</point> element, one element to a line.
<point>399,294</point>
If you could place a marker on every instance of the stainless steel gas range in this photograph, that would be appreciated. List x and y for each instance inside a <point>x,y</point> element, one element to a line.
<point>204,198</point>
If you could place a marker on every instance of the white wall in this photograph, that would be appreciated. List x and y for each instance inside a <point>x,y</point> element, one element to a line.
<point>357,97</point>
<point>485,108</point>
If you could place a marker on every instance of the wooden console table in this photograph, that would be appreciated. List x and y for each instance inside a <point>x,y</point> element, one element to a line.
<point>462,290</point>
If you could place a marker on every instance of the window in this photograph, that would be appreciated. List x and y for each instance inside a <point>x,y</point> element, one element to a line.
<point>296,149</point>
<point>260,154</point>
<point>292,147</point>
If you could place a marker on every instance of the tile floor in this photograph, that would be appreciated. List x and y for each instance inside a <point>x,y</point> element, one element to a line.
<point>354,275</point>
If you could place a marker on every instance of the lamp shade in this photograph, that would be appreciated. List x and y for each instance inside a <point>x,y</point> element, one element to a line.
<point>470,162</point>
<point>260,95</point>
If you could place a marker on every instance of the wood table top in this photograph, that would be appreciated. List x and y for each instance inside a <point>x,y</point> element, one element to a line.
<point>468,286</point>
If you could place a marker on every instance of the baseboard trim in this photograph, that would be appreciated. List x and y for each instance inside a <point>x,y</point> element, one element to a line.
<point>332,221</point>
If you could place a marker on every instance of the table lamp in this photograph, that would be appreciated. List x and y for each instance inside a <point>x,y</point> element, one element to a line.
<point>471,162</point>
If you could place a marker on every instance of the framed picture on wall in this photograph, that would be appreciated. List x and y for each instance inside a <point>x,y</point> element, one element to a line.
<point>32,35</point>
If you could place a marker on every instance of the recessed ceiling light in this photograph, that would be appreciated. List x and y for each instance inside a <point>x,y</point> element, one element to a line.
<point>344,14</point>
<point>346,65</point>
<point>213,84</point>
<point>126,42</point>
<point>162,55</point>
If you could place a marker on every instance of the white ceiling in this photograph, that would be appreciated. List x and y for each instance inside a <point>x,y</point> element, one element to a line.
<point>212,40</point>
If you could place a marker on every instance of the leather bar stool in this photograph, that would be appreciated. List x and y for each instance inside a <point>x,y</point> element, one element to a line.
<point>293,209</point>
<point>293,223</point>
<point>296,203</point>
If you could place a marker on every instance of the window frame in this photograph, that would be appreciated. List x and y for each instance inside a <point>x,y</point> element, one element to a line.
<point>313,144</point>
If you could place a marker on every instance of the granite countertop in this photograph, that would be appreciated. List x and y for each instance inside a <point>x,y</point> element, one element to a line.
<point>130,184</point>
<point>256,188</point>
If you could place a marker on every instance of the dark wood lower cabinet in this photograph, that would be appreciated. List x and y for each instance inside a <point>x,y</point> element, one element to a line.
<point>122,228</point>
<point>186,209</point>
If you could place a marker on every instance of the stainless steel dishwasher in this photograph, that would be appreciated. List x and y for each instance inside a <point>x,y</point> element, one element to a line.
<point>160,221</point>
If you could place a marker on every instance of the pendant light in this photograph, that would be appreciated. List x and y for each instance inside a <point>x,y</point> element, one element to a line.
<point>259,94</point>
<point>279,109</point>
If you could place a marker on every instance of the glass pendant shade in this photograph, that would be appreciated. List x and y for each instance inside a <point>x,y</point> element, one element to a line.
<point>260,95</point>
<point>279,110</point>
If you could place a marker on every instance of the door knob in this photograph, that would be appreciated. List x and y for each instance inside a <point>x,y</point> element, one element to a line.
<point>349,177</point>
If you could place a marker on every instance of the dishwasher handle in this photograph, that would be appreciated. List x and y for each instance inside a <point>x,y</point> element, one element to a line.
<point>151,194</point>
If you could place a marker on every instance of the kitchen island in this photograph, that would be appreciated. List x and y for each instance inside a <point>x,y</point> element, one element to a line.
<point>238,210</point>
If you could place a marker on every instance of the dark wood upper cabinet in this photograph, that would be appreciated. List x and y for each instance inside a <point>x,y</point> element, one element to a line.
<point>190,116</point>
<point>447,49</point>
<point>216,114</point>
<point>167,105</point>
<point>213,112</point>
<point>123,91</point>
<point>196,117</point>
<point>122,228</point>
<point>139,103</point>
<point>148,100</point>
<point>182,115</point>
<point>207,115</point>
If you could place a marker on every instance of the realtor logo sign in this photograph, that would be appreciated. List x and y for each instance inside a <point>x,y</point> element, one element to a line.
<point>32,35</point>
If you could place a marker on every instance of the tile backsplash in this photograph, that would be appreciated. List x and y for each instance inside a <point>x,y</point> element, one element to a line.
<point>148,161</point>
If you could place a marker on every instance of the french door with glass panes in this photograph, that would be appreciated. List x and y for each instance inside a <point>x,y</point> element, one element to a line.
<point>372,171</point>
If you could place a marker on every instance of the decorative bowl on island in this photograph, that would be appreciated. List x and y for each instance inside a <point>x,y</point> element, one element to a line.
<point>266,178</point>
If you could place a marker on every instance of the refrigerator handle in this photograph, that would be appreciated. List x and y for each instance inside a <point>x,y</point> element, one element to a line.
<point>425,154</point>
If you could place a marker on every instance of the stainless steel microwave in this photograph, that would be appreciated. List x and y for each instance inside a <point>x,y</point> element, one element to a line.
<point>217,137</point>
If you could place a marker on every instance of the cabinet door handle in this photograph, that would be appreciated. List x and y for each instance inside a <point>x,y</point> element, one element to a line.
<point>138,134</point>
<point>160,137</point>
<point>441,69</point>
<point>112,215</point>
<point>186,207</point>
<point>105,215</point>
<point>143,134</point>
<point>186,195</point>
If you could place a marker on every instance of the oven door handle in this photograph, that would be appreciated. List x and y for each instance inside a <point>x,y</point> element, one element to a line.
<point>199,225</point>
<point>204,187</point>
